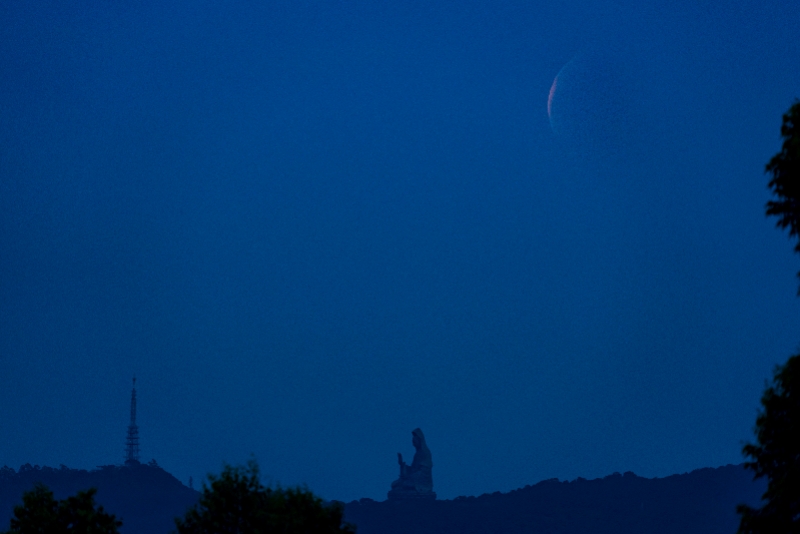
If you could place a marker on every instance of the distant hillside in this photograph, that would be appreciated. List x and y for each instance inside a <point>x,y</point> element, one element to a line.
<point>701,501</point>
<point>145,497</point>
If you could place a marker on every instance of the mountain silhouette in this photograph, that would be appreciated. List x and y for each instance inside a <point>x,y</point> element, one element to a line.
<point>147,499</point>
<point>701,501</point>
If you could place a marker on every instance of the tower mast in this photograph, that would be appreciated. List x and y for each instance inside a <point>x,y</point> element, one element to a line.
<point>132,440</point>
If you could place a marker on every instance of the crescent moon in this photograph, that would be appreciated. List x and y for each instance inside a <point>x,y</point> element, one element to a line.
<point>554,88</point>
<point>550,101</point>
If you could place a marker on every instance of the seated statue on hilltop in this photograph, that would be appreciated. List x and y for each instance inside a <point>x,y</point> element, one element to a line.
<point>416,480</point>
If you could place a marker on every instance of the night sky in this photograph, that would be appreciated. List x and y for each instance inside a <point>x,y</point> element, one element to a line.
<point>311,227</point>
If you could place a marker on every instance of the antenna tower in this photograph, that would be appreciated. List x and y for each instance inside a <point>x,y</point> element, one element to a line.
<point>132,440</point>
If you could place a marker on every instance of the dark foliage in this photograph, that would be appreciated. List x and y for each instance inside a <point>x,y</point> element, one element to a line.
<point>785,170</point>
<point>776,457</point>
<point>146,498</point>
<point>41,513</point>
<point>237,502</point>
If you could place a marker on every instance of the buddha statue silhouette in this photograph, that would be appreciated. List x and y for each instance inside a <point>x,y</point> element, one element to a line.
<point>416,480</point>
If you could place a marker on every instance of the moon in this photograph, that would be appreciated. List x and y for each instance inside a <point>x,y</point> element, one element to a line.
<point>550,102</point>
<point>554,98</point>
<point>587,99</point>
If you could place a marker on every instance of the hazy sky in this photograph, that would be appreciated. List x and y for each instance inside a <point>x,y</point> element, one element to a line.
<point>310,227</point>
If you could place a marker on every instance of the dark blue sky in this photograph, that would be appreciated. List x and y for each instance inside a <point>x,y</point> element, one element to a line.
<point>310,227</point>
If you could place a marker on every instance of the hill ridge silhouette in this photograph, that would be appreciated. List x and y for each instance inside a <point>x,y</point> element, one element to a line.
<point>703,500</point>
<point>147,499</point>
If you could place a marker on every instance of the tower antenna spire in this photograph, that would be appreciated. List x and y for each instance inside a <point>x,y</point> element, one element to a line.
<point>132,440</point>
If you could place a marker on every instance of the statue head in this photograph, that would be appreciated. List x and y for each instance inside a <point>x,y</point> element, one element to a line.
<point>418,438</point>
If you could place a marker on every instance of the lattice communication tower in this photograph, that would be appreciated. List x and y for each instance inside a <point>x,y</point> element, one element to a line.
<point>132,440</point>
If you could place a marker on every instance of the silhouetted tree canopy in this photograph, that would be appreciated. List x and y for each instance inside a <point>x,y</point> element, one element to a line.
<point>785,170</point>
<point>41,513</point>
<point>237,502</point>
<point>776,456</point>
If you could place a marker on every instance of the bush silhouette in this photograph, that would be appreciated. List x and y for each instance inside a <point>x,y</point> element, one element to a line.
<point>41,513</point>
<point>237,502</point>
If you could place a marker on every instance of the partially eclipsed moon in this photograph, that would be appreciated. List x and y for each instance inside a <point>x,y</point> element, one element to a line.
<point>590,104</point>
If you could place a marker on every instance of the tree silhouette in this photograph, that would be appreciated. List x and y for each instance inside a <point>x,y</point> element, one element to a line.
<point>776,456</point>
<point>785,170</point>
<point>41,513</point>
<point>237,502</point>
